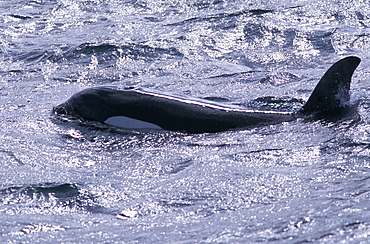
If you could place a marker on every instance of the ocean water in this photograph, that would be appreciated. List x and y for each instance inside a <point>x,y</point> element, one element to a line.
<point>75,182</point>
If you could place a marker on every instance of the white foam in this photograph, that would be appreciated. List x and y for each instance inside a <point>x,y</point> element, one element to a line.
<point>130,123</point>
<point>342,96</point>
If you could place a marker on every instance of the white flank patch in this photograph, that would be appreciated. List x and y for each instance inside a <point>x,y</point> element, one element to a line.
<point>130,123</point>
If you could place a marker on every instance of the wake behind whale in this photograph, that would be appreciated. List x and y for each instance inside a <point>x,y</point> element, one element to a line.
<point>138,109</point>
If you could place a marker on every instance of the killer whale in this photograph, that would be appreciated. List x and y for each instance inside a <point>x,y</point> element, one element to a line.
<point>137,109</point>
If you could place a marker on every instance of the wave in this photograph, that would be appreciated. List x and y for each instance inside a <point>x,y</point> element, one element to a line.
<point>276,103</point>
<point>218,17</point>
<point>49,196</point>
<point>283,37</point>
<point>104,52</point>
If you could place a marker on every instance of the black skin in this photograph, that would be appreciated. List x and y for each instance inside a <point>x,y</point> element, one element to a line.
<point>169,114</point>
<point>195,116</point>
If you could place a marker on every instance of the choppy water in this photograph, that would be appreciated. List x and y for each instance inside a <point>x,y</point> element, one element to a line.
<point>80,183</point>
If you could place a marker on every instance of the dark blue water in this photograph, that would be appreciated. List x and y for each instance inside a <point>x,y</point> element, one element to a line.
<point>71,182</point>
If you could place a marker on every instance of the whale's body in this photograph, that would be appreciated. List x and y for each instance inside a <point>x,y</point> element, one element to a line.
<point>139,109</point>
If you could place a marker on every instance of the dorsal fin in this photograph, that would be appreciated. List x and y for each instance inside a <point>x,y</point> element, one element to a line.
<point>332,92</point>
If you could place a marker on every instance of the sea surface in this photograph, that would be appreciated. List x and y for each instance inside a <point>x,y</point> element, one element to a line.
<point>67,181</point>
